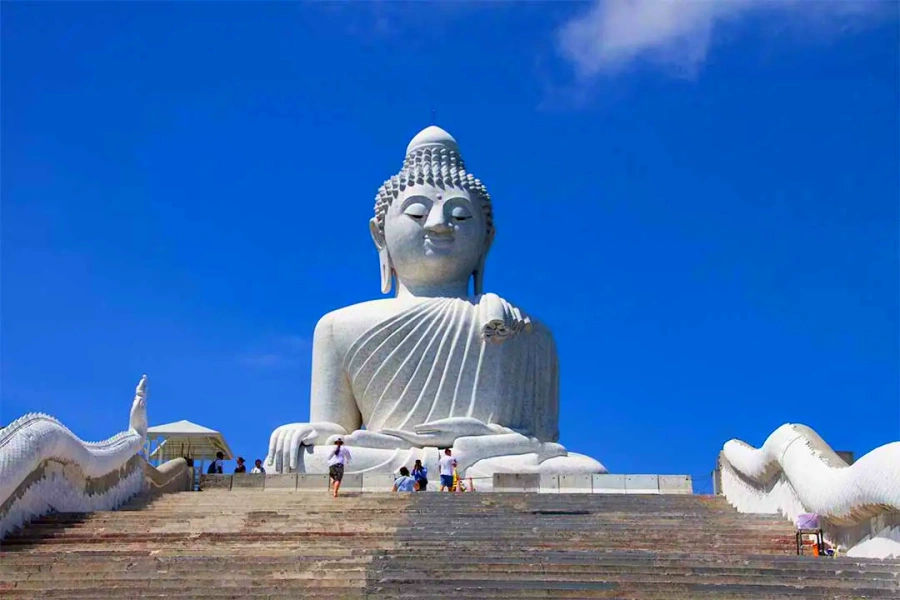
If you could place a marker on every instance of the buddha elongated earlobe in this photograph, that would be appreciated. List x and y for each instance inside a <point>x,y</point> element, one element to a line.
<point>384,261</point>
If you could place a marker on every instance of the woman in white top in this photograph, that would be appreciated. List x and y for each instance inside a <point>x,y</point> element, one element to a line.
<point>336,461</point>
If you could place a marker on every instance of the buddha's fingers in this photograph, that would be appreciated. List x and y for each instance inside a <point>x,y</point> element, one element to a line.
<point>293,445</point>
<point>282,459</point>
<point>510,443</point>
<point>285,447</point>
<point>373,439</point>
<point>276,450</point>
<point>459,426</point>
<point>440,439</point>
<point>273,445</point>
<point>320,430</point>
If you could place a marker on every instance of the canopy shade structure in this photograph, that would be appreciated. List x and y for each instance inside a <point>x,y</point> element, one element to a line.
<point>187,440</point>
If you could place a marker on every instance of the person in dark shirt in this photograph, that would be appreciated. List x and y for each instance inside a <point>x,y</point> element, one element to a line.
<point>215,467</point>
<point>241,467</point>
<point>420,473</point>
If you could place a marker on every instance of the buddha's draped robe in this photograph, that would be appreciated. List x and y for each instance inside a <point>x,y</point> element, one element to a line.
<point>433,361</point>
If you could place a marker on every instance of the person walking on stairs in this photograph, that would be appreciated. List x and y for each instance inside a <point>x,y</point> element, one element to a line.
<point>339,457</point>
<point>447,465</point>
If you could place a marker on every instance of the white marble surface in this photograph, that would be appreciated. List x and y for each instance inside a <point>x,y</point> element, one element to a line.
<point>796,472</point>
<point>57,492</point>
<point>31,440</point>
<point>442,363</point>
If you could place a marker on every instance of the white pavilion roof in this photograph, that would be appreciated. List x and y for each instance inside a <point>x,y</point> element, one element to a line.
<point>188,440</point>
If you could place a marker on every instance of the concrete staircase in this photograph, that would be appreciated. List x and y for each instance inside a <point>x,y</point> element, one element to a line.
<point>281,545</point>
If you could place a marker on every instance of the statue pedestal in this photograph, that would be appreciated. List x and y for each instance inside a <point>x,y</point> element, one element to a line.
<point>314,459</point>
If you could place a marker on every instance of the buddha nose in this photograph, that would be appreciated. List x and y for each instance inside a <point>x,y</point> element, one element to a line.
<point>436,221</point>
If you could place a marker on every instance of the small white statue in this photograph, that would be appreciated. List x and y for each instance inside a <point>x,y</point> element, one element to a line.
<point>435,366</point>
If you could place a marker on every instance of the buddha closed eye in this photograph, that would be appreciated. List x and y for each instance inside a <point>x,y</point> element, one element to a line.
<point>416,210</point>
<point>460,213</point>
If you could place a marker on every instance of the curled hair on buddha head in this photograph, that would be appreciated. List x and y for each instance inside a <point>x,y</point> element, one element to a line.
<point>432,158</point>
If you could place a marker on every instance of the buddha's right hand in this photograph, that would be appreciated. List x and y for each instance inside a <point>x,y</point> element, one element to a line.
<point>285,442</point>
<point>442,433</point>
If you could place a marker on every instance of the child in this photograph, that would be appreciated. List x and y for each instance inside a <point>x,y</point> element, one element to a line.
<point>458,485</point>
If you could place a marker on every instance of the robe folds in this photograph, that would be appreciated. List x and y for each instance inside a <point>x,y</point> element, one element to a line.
<point>450,357</point>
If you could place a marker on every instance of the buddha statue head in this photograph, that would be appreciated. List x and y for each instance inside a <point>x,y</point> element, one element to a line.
<point>433,223</point>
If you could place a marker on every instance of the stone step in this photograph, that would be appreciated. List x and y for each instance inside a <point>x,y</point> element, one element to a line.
<point>486,590</point>
<point>445,516</point>
<point>231,540</point>
<point>476,588</point>
<point>475,519</point>
<point>421,502</point>
<point>458,511</point>
<point>468,529</point>
<point>344,572</point>
<point>514,530</point>
<point>357,578</point>
<point>115,559</point>
<point>370,517</point>
<point>435,569</point>
<point>603,589</point>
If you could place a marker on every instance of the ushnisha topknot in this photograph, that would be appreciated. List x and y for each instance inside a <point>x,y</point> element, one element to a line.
<point>433,158</point>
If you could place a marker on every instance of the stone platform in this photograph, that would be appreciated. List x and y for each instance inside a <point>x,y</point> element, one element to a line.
<point>501,482</point>
<point>241,544</point>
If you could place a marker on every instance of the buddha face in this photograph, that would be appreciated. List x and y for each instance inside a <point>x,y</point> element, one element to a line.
<point>435,235</point>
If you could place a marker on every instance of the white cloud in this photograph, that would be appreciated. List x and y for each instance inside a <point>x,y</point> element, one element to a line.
<point>613,35</point>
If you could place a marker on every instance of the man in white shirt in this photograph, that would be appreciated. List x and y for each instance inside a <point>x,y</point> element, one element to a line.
<point>258,468</point>
<point>446,464</point>
<point>339,457</point>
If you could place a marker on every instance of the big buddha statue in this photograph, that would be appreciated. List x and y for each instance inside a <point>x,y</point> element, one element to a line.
<point>442,364</point>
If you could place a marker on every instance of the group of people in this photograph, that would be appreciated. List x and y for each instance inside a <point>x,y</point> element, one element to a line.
<point>450,479</point>
<point>406,481</point>
<point>415,481</point>
<point>216,467</point>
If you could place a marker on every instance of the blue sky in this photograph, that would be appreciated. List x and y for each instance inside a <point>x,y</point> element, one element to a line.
<point>702,203</point>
